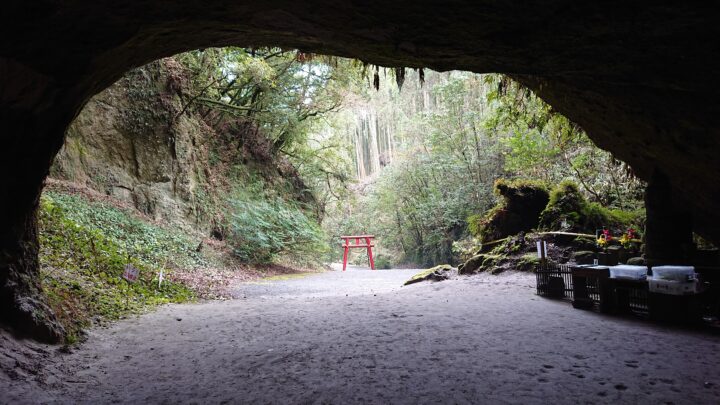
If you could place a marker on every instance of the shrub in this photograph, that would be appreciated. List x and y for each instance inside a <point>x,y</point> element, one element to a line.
<point>476,222</point>
<point>265,227</point>
<point>383,262</point>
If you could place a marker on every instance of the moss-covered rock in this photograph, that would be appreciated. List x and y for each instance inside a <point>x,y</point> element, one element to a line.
<point>437,273</point>
<point>527,262</point>
<point>584,243</point>
<point>490,261</point>
<point>583,257</point>
<point>568,210</point>
<point>510,245</point>
<point>471,265</point>
<point>518,210</point>
<point>636,261</point>
<point>480,263</point>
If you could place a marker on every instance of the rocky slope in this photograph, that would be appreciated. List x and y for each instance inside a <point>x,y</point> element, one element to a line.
<point>143,142</point>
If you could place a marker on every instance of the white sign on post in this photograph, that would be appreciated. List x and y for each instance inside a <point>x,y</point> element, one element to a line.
<point>541,249</point>
<point>131,273</point>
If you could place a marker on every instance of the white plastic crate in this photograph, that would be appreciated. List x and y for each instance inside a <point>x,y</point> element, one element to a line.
<point>672,287</point>
<point>628,272</point>
<point>673,273</point>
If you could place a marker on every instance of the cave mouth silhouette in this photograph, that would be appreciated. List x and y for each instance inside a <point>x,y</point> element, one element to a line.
<point>640,78</point>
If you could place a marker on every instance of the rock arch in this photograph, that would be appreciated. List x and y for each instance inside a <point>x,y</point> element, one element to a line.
<point>640,77</point>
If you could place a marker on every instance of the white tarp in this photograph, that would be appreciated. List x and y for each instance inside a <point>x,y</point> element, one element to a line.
<point>628,271</point>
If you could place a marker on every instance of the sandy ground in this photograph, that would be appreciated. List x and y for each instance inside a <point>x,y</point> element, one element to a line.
<point>358,337</point>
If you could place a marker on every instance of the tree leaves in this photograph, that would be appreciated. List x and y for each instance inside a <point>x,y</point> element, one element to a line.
<point>263,227</point>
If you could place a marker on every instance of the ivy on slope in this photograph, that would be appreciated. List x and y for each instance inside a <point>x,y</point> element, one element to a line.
<point>84,248</point>
<point>143,240</point>
<point>265,227</point>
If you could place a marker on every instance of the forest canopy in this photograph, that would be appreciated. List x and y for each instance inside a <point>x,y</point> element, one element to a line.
<point>410,156</point>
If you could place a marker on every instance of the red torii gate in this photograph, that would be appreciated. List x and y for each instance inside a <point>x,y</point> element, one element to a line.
<point>347,245</point>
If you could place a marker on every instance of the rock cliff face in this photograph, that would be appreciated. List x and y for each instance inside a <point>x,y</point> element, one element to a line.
<point>143,142</point>
<point>132,142</point>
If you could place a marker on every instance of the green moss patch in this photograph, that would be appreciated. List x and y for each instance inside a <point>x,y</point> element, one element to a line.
<point>437,273</point>
<point>568,210</point>
<point>84,248</point>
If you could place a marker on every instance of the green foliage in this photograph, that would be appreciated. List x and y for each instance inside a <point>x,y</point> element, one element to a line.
<point>263,227</point>
<point>438,175</point>
<point>476,222</point>
<point>465,248</point>
<point>542,144</point>
<point>81,263</point>
<point>414,209</point>
<point>283,92</point>
<point>527,262</point>
<point>285,97</point>
<point>150,244</point>
<point>568,210</point>
<point>383,262</point>
<point>446,141</point>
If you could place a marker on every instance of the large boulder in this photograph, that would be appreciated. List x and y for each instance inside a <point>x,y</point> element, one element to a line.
<point>521,202</point>
<point>437,273</point>
<point>583,257</point>
<point>479,263</point>
<point>471,265</point>
<point>636,261</point>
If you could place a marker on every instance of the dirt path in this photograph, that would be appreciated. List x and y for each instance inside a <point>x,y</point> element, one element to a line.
<point>357,337</point>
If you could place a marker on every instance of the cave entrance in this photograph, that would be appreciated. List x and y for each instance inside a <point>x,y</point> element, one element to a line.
<point>652,115</point>
<point>218,164</point>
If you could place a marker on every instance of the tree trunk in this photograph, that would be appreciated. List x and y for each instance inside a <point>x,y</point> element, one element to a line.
<point>668,228</point>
